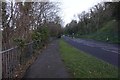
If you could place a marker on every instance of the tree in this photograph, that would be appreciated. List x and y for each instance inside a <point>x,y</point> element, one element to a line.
<point>21,20</point>
<point>92,21</point>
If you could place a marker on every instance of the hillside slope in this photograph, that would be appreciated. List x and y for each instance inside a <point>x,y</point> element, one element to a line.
<point>109,33</point>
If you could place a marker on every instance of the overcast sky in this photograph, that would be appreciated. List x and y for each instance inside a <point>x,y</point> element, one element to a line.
<point>69,8</point>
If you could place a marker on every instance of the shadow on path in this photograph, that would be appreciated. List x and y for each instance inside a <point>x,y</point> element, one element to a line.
<point>48,64</point>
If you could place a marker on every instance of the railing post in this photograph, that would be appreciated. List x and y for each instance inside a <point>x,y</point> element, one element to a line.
<point>0,40</point>
<point>0,66</point>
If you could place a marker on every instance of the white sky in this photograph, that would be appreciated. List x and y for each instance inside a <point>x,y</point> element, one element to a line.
<point>69,8</point>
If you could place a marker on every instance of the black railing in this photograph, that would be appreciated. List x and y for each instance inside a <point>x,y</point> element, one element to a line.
<point>13,58</point>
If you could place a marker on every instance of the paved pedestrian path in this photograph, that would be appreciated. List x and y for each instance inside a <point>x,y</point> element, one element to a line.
<point>48,64</point>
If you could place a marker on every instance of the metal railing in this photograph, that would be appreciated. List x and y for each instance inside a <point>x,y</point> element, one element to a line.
<point>14,57</point>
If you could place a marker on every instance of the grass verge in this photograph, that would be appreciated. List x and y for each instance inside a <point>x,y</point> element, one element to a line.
<point>83,65</point>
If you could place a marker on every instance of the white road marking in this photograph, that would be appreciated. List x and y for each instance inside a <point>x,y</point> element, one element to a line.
<point>102,46</point>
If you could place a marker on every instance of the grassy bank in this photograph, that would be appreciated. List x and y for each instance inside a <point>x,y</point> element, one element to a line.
<point>109,33</point>
<point>83,65</point>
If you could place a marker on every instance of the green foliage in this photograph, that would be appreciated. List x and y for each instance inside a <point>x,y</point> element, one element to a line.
<point>44,34</point>
<point>108,33</point>
<point>83,65</point>
<point>55,29</point>
<point>101,24</point>
<point>36,36</point>
<point>40,37</point>
<point>19,42</point>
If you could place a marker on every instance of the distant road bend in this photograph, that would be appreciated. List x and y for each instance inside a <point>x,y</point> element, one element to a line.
<point>104,51</point>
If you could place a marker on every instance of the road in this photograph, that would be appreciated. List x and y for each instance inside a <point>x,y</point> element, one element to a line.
<point>104,51</point>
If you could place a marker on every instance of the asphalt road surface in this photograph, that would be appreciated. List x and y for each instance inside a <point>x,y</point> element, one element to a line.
<point>104,51</point>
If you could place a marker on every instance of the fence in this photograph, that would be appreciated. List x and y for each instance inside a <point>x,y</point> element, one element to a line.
<point>14,57</point>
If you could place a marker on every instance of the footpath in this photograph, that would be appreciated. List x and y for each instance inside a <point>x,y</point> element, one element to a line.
<point>48,64</point>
